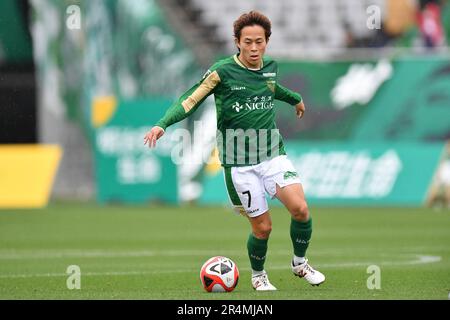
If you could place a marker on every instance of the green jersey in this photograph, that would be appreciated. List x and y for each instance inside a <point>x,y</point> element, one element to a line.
<point>245,101</point>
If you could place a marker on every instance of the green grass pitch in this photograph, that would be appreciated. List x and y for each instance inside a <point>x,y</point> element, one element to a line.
<point>156,252</point>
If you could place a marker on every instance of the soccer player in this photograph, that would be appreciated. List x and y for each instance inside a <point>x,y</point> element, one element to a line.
<point>250,147</point>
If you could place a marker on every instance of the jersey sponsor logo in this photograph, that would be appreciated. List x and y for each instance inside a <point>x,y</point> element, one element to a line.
<point>290,175</point>
<point>250,106</point>
<point>255,103</point>
<point>238,107</point>
<point>269,74</point>
<point>237,88</point>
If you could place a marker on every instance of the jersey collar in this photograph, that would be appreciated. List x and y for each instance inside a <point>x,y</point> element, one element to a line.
<point>236,59</point>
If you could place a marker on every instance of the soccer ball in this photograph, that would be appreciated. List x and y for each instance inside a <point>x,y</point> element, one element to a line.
<point>219,274</point>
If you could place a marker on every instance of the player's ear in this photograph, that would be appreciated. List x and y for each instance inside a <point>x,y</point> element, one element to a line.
<point>236,42</point>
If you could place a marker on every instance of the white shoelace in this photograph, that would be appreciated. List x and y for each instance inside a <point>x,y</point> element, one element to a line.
<point>308,268</point>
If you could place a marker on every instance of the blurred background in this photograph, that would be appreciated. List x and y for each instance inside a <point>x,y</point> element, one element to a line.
<point>82,81</point>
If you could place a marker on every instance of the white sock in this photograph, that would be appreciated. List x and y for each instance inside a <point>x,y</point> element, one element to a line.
<point>257,273</point>
<point>298,260</point>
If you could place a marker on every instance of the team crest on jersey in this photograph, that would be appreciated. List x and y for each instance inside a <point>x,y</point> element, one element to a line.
<point>290,175</point>
<point>271,85</point>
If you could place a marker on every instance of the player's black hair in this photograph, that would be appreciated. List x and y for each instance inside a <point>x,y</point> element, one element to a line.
<point>250,19</point>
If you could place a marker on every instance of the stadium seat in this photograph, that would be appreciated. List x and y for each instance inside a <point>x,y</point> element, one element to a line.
<point>300,26</point>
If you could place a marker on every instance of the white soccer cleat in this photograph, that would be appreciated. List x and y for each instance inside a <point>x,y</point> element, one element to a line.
<point>261,283</point>
<point>311,275</point>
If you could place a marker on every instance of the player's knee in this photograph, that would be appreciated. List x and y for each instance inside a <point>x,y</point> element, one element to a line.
<point>300,211</point>
<point>263,230</point>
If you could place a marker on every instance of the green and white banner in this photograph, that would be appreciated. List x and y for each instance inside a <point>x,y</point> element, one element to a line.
<point>354,173</point>
<point>403,99</point>
<point>126,170</point>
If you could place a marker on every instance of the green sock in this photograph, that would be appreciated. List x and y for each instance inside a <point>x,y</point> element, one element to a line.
<point>300,236</point>
<point>257,249</point>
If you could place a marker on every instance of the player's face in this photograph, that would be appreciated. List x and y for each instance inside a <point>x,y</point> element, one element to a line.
<point>253,45</point>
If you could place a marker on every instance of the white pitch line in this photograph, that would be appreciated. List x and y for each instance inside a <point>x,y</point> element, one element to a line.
<point>58,254</point>
<point>12,254</point>
<point>419,259</point>
<point>78,253</point>
<point>108,273</point>
<point>44,254</point>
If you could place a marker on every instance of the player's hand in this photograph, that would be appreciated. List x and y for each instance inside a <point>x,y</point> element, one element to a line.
<point>154,134</point>
<point>300,109</point>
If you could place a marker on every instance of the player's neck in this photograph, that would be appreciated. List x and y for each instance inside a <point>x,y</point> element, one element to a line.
<point>247,65</point>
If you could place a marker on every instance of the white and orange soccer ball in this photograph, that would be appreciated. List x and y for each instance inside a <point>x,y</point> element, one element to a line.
<point>219,274</point>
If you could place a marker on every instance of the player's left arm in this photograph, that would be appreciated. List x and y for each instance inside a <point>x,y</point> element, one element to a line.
<point>291,97</point>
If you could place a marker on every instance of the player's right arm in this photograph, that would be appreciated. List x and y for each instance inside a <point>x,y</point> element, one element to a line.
<point>187,104</point>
